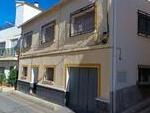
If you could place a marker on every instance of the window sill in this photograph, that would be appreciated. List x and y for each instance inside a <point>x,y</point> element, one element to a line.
<point>46,82</point>
<point>102,99</point>
<point>143,83</point>
<point>143,35</point>
<point>82,33</point>
<point>23,78</point>
<point>25,49</point>
<point>46,44</point>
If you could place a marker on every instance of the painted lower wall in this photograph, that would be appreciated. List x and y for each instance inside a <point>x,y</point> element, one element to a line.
<point>57,92</point>
<point>99,56</point>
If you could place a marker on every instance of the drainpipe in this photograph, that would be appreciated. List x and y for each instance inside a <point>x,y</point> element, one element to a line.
<point>114,55</point>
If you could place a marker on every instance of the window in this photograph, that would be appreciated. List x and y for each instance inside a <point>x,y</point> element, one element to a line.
<point>12,67</point>
<point>143,24</point>
<point>27,40</point>
<point>48,32</point>
<point>144,74</point>
<point>2,69</point>
<point>49,74</point>
<point>83,20</point>
<point>2,48</point>
<point>2,44</point>
<point>25,71</point>
<point>14,43</point>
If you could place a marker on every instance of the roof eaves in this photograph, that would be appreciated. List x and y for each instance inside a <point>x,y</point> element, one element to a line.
<point>42,13</point>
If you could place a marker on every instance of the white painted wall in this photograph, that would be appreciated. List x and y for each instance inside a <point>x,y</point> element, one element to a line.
<point>8,34</point>
<point>29,12</point>
<point>134,49</point>
<point>24,12</point>
<point>19,14</point>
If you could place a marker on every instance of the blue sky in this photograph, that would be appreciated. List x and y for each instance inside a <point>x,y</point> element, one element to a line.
<point>7,9</point>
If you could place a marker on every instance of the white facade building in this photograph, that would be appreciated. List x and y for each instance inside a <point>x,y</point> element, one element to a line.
<point>9,37</point>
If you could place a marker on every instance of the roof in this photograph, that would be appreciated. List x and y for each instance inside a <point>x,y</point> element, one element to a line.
<point>29,4</point>
<point>58,5</point>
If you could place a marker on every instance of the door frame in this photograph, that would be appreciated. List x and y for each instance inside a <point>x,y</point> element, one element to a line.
<point>98,66</point>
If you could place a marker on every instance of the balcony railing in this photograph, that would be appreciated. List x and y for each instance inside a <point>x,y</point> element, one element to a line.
<point>7,52</point>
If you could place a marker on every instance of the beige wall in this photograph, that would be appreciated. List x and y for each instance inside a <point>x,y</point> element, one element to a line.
<point>62,38</point>
<point>134,48</point>
<point>90,58</point>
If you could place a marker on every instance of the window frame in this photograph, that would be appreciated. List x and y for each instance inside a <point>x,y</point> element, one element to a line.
<point>145,33</point>
<point>38,67</point>
<point>23,75</point>
<point>13,40</point>
<point>3,49</point>
<point>2,69</point>
<point>49,82</point>
<point>82,11</point>
<point>25,38</point>
<point>144,67</point>
<point>50,24</point>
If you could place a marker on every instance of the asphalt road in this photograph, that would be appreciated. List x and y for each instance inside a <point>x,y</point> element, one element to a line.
<point>10,103</point>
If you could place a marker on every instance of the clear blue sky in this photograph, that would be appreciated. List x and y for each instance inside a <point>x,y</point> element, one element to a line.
<point>7,9</point>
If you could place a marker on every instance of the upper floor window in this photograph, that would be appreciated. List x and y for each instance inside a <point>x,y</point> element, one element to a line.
<point>14,43</point>
<point>83,20</point>
<point>2,48</point>
<point>48,32</point>
<point>143,24</point>
<point>27,40</point>
<point>2,44</point>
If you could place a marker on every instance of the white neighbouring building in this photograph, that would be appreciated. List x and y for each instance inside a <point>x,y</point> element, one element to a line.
<point>9,37</point>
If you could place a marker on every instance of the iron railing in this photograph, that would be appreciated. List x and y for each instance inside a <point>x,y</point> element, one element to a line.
<point>7,52</point>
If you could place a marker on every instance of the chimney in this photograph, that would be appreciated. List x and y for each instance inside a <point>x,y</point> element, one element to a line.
<point>36,4</point>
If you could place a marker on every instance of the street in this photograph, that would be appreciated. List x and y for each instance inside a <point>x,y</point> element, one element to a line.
<point>13,103</point>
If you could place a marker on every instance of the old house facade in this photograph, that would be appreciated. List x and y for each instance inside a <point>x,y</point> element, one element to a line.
<point>61,44</point>
<point>89,55</point>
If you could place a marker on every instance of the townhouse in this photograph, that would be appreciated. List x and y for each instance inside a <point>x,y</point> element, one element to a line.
<point>9,37</point>
<point>90,55</point>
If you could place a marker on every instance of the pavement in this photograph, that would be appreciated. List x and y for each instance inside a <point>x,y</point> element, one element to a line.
<point>6,89</point>
<point>12,101</point>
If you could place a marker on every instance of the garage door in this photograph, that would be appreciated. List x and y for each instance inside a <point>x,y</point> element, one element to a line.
<point>83,84</point>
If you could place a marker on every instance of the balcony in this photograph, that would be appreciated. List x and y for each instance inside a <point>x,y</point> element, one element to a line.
<point>8,52</point>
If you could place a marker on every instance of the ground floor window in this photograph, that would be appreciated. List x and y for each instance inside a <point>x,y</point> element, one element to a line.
<point>2,69</point>
<point>12,67</point>
<point>144,74</point>
<point>49,75</point>
<point>24,72</point>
